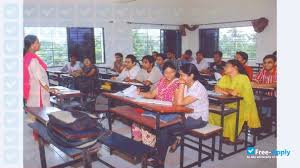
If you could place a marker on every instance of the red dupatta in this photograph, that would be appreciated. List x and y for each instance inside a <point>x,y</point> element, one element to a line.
<point>26,61</point>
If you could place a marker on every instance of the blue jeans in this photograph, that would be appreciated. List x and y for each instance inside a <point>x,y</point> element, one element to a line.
<point>163,117</point>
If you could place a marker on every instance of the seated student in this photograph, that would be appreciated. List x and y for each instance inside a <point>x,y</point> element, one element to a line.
<point>88,74</point>
<point>267,78</point>
<point>171,56</point>
<point>132,67</point>
<point>118,65</point>
<point>149,74</point>
<point>155,54</point>
<point>160,61</point>
<point>72,66</point>
<point>242,57</point>
<point>218,65</point>
<point>187,57</point>
<point>164,90</point>
<point>235,82</point>
<point>200,62</point>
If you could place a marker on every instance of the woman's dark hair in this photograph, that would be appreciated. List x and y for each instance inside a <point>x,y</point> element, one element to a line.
<point>119,54</point>
<point>190,69</point>
<point>149,58</point>
<point>243,55</point>
<point>240,67</point>
<point>161,55</point>
<point>169,64</point>
<point>28,41</point>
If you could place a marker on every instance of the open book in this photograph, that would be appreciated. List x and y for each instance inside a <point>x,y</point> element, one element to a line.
<point>129,92</point>
<point>153,101</point>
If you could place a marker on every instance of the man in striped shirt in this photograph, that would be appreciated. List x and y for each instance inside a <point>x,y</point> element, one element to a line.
<point>267,77</point>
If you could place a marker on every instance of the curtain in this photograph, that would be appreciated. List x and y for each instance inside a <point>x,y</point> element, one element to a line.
<point>171,40</point>
<point>209,41</point>
<point>81,43</point>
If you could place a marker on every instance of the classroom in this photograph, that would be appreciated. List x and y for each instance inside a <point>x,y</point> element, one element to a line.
<point>139,83</point>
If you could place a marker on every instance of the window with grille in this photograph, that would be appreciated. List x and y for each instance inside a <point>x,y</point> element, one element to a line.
<point>229,41</point>
<point>58,43</point>
<point>145,41</point>
<point>54,47</point>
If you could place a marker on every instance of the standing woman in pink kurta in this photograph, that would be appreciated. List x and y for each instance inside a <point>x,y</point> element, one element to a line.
<point>35,79</point>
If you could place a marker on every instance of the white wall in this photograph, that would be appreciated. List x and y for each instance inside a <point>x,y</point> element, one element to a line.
<point>215,11</point>
<point>98,13</point>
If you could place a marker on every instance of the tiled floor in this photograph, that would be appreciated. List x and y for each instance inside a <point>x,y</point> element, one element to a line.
<point>54,156</point>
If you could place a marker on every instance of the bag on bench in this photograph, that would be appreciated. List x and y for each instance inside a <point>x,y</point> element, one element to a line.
<point>74,129</point>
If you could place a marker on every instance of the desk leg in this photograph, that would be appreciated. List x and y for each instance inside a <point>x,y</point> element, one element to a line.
<point>108,114</point>
<point>182,142</point>
<point>86,159</point>
<point>157,140</point>
<point>237,125</point>
<point>42,152</point>
<point>222,133</point>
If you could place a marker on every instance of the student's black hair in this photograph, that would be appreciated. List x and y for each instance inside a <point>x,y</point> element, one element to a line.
<point>243,55</point>
<point>119,54</point>
<point>273,57</point>
<point>171,51</point>
<point>218,53</point>
<point>200,52</point>
<point>28,41</point>
<point>240,67</point>
<point>133,59</point>
<point>161,55</point>
<point>274,53</point>
<point>154,52</point>
<point>190,69</point>
<point>169,64</point>
<point>188,52</point>
<point>150,59</point>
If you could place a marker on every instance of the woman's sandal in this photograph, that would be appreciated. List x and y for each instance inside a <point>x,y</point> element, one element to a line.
<point>174,147</point>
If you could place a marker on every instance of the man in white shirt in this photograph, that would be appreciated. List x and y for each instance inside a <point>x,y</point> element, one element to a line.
<point>200,62</point>
<point>72,66</point>
<point>150,74</point>
<point>130,71</point>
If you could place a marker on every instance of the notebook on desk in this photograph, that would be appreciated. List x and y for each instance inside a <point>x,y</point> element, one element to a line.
<point>153,101</point>
<point>212,93</point>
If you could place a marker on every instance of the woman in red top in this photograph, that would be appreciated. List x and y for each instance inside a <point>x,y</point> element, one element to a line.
<point>242,57</point>
<point>165,91</point>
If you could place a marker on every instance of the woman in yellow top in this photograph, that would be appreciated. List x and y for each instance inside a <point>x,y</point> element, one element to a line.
<point>235,82</point>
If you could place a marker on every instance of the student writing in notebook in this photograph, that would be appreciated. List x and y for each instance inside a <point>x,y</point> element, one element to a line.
<point>192,94</point>
<point>149,74</point>
<point>130,71</point>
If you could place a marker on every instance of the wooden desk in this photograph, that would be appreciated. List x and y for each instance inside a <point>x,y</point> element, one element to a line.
<point>159,109</point>
<point>218,106</point>
<point>41,114</point>
<point>66,93</point>
<point>55,75</point>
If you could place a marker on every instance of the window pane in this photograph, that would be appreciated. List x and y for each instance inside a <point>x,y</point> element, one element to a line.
<point>237,39</point>
<point>99,45</point>
<point>145,41</point>
<point>53,44</point>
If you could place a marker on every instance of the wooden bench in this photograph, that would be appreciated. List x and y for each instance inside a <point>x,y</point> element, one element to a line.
<point>207,132</point>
